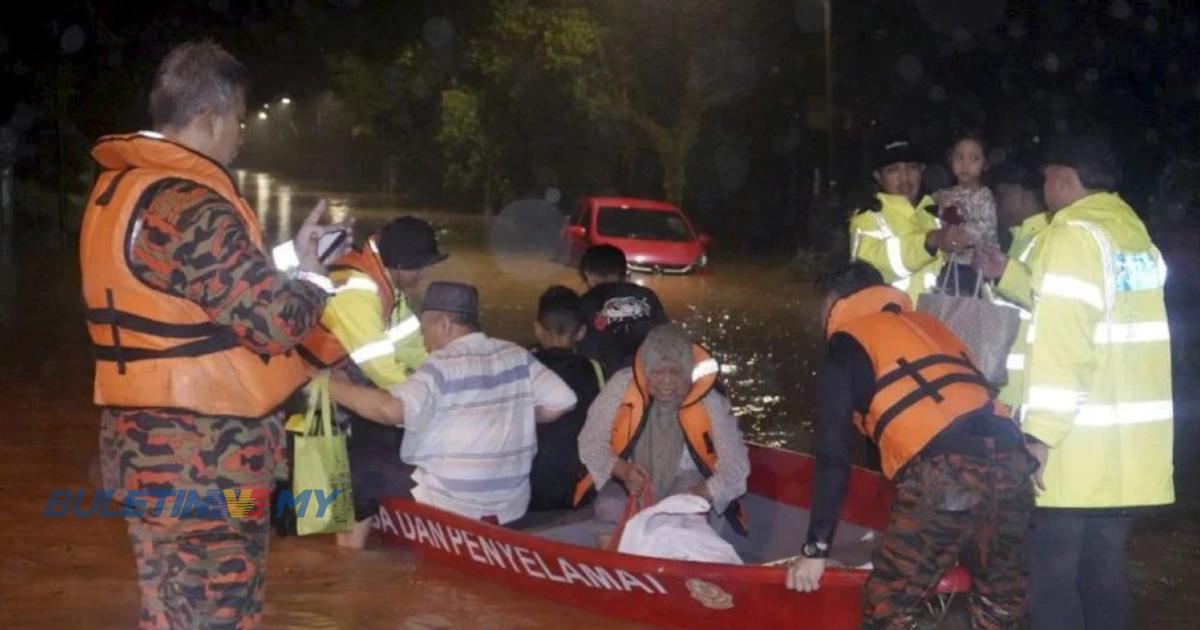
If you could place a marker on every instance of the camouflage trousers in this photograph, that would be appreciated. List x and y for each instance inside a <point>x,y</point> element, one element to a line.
<point>204,570</point>
<point>948,509</point>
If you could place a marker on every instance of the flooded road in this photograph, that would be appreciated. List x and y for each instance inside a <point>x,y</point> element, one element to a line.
<point>759,321</point>
<point>67,573</point>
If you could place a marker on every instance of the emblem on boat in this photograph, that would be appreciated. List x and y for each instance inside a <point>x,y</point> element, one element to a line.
<point>709,594</point>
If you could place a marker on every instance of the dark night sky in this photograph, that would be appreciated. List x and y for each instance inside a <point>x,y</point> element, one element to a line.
<point>1015,69</point>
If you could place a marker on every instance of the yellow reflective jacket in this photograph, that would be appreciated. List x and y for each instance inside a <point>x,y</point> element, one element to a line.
<point>387,349</point>
<point>1015,287</point>
<point>1098,369</point>
<point>892,240</point>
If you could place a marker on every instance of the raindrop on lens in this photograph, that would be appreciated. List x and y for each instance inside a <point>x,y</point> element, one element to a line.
<point>810,15</point>
<point>438,32</point>
<point>909,67</point>
<point>1051,63</point>
<point>72,39</point>
<point>22,117</point>
<point>1190,26</point>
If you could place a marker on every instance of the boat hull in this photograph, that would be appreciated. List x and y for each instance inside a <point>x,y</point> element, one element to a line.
<point>666,593</point>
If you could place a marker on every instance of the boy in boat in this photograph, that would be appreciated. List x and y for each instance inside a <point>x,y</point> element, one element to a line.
<point>618,313</point>
<point>960,465</point>
<point>556,467</point>
<point>662,422</point>
<point>469,411</point>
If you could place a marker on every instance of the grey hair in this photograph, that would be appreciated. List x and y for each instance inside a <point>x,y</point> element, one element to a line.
<point>193,77</point>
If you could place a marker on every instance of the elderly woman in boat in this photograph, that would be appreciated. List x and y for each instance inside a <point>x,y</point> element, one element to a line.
<point>662,425</point>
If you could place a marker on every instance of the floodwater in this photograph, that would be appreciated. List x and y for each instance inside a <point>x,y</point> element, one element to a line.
<point>758,320</point>
<point>62,573</point>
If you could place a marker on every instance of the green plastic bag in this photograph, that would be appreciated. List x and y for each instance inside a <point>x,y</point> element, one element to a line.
<point>321,468</point>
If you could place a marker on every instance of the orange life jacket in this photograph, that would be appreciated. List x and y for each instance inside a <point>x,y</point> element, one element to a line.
<point>924,378</point>
<point>321,347</point>
<point>694,421</point>
<point>152,348</point>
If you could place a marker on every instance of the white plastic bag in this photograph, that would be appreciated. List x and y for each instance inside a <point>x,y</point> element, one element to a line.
<point>677,528</point>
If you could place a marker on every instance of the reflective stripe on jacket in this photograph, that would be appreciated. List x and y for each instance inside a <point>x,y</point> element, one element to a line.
<point>154,349</point>
<point>1016,289</point>
<point>1098,368</point>
<point>371,320</point>
<point>892,239</point>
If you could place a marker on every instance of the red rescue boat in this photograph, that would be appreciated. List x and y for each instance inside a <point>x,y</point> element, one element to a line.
<point>553,555</point>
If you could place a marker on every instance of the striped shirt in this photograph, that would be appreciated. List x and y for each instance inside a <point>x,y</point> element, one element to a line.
<point>470,425</point>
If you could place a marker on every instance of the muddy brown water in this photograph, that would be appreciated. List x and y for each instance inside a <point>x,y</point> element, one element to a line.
<point>71,573</point>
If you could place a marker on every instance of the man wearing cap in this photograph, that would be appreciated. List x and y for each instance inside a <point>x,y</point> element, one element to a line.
<point>470,411</point>
<point>1098,399</point>
<point>899,235</point>
<point>370,319</point>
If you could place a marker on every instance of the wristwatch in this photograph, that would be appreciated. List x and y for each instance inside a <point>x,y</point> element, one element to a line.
<point>815,549</point>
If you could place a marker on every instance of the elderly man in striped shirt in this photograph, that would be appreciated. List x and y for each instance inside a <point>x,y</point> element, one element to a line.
<point>470,411</point>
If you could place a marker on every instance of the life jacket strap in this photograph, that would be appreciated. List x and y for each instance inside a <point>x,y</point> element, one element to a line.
<point>113,316</point>
<point>106,197</point>
<point>910,368</point>
<point>920,393</point>
<point>192,349</point>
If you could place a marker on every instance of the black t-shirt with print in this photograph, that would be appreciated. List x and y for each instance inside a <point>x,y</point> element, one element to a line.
<point>618,316</point>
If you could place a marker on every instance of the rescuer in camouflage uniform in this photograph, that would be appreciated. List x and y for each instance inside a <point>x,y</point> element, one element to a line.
<point>192,327</point>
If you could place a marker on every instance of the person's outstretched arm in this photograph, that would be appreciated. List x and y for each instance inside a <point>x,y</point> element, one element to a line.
<point>371,403</point>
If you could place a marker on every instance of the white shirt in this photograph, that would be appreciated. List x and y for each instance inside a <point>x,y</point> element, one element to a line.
<point>471,428</point>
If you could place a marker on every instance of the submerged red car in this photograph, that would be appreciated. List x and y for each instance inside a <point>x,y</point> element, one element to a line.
<point>655,236</point>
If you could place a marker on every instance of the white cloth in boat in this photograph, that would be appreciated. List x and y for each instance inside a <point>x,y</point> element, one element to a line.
<point>728,481</point>
<point>470,427</point>
<point>677,528</point>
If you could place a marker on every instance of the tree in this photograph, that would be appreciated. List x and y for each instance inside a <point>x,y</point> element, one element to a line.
<point>394,101</point>
<point>470,157</point>
<point>655,69</point>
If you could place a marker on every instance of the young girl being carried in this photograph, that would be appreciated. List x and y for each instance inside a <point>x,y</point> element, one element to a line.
<point>968,203</point>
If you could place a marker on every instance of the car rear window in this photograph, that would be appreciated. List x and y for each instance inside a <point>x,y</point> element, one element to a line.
<point>640,223</point>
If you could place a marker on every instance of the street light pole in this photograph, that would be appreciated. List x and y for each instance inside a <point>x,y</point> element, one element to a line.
<point>829,111</point>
